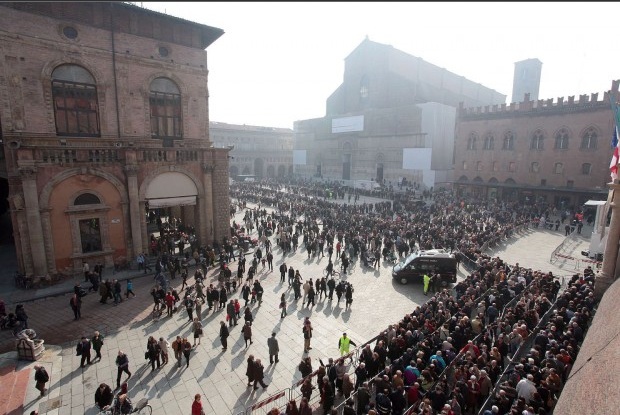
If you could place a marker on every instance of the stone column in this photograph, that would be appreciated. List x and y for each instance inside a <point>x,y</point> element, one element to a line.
<point>610,258</point>
<point>33,218</point>
<point>134,208</point>
<point>206,211</point>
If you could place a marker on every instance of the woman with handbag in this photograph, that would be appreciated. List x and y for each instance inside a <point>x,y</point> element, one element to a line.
<point>197,326</point>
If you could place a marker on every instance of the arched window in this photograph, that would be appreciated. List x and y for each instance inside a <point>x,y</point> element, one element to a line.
<point>509,141</point>
<point>534,167</point>
<point>589,139</point>
<point>495,166</point>
<point>74,92</point>
<point>489,142</point>
<point>479,165</point>
<point>558,168</point>
<point>86,199</point>
<point>586,169</point>
<point>364,88</point>
<point>471,141</point>
<point>537,141</point>
<point>165,103</point>
<point>464,165</point>
<point>561,139</point>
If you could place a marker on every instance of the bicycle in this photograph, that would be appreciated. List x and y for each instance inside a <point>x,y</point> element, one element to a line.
<point>142,408</point>
<point>335,273</point>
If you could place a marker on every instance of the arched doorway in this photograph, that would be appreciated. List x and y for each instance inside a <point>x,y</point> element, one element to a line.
<point>170,201</point>
<point>259,167</point>
<point>171,189</point>
<point>271,171</point>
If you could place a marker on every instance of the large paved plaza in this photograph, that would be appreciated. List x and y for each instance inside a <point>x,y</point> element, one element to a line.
<point>219,376</point>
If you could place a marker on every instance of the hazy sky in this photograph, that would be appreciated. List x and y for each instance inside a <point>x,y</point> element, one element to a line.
<point>279,62</point>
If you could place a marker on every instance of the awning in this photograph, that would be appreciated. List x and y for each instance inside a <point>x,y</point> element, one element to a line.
<point>172,201</point>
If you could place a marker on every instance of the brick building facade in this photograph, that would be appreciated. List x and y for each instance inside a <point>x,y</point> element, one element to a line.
<point>256,151</point>
<point>537,150</point>
<point>105,114</point>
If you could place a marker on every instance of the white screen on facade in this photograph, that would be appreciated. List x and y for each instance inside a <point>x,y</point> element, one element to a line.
<point>417,158</point>
<point>299,157</point>
<point>348,124</point>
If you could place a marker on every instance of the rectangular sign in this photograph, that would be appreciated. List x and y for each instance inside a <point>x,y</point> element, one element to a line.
<point>348,124</point>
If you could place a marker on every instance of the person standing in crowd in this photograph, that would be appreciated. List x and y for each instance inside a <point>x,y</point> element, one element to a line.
<point>86,271</point>
<point>189,307</point>
<point>283,268</point>
<point>307,329</point>
<point>187,350</point>
<point>177,346</point>
<point>197,328</point>
<point>21,316</point>
<point>83,348</point>
<point>247,333</point>
<point>427,282</point>
<point>197,406</point>
<point>129,289</point>
<point>41,377</point>
<point>259,374</point>
<point>118,298</point>
<point>224,333</point>
<point>282,306</point>
<point>154,352</point>
<point>249,372</point>
<point>76,305</point>
<point>163,347</point>
<point>231,315</point>
<point>103,396</point>
<point>122,365</point>
<point>274,348</point>
<point>344,343</point>
<point>270,261</point>
<point>199,303</point>
<point>97,342</point>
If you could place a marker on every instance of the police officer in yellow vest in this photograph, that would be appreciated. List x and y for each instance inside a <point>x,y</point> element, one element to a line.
<point>427,281</point>
<point>344,344</point>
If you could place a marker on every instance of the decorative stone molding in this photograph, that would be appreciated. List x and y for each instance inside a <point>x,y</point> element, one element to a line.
<point>208,168</point>
<point>28,172</point>
<point>131,169</point>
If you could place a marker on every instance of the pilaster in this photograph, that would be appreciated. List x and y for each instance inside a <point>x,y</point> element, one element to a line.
<point>610,258</point>
<point>33,216</point>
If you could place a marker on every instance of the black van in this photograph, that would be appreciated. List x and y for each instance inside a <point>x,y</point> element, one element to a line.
<point>432,261</point>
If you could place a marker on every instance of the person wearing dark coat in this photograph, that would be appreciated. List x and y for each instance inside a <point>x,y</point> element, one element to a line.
<point>250,370</point>
<point>259,374</point>
<point>224,333</point>
<point>103,396</point>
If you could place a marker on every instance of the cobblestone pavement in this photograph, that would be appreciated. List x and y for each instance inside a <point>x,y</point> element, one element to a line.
<point>219,376</point>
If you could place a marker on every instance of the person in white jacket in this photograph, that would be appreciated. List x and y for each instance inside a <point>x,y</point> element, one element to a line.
<point>526,388</point>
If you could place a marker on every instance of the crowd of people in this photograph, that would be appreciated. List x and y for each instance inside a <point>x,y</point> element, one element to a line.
<point>448,356</point>
<point>452,350</point>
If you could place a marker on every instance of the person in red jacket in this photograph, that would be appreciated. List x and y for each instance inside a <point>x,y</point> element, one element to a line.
<point>197,406</point>
<point>169,299</point>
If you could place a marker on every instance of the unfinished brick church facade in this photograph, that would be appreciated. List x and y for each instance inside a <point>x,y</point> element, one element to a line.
<point>105,114</point>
